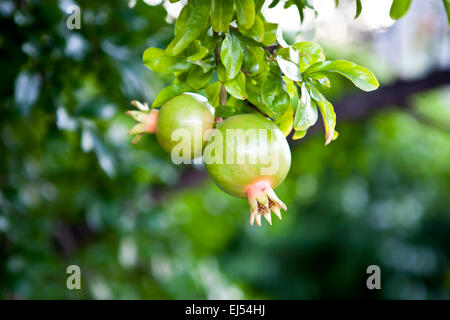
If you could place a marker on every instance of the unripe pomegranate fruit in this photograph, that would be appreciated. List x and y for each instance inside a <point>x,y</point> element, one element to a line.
<point>189,112</point>
<point>248,156</point>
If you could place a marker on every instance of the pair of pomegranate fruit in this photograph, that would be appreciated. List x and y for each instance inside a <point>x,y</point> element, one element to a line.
<point>246,155</point>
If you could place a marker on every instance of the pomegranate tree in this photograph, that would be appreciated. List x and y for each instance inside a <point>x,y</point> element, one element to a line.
<point>227,51</point>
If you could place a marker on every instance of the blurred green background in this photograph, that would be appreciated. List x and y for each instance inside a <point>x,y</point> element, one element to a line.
<point>74,190</point>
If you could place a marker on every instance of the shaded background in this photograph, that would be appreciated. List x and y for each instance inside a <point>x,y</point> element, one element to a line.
<point>74,190</point>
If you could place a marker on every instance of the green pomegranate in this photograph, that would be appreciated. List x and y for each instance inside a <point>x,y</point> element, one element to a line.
<point>187,112</point>
<point>248,156</point>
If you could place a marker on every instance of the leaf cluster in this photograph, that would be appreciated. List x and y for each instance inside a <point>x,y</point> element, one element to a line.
<point>229,52</point>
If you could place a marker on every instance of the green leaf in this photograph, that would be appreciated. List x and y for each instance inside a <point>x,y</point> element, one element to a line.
<point>236,86</point>
<point>192,20</point>
<point>213,93</point>
<point>288,59</point>
<point>301,6</point>
<point>205,66</point>
<point>169,92</point>
<point>361,77</point>
<point>181,77</point>
<point>285,121</point>
<point>245,10</point>
<point>221,15</point>
<point>280,38</point>
<point>273,4</point>
<point>232,54</point>
<point>327,112</point>
<point>156,60</point>
<point>224,111</point>
<point>253,87</point>
<point>258,5</point>
<point>399,8</point>
<point>306,112</point>
<point>273,94</point>
<point>447,9</point>
<point>249,41</point>
<point>310,53</point>
<point>254,60</point>
<point>299,134</point>
<point>210,40</point>
<point>256,32</point>
<point>197,79</point>
<point>290,87</point>
<point>196,51</point>
<point>321,78</point>
<point>358,8</point>
<point>221,73</point>
<point>270,33</point>
<point>240,106</point>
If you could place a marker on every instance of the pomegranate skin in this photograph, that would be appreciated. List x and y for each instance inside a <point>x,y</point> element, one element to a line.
<point>236,178</point>
<point>188,112</point>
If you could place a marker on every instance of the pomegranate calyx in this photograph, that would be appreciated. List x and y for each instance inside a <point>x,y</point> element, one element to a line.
<point>263,200</point>
<point>146,120</point>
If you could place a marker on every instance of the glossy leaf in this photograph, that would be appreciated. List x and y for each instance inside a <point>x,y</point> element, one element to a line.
<point>221,15</point>
<point>224,111</point>
<point>236,86</point>
<point>254,60</point>
<point>399,8</point>
<point>273,94</point>
<point>240,106</point>
<point>169,92</point>
<point>253,89</point>
<point>306,112</point>
<point>358,8</point>
<point>361,77</point>
<point>213,93</point>
<point>210,40</point>
<point>290,87</point>
<point>270,33</point>
<point>310,53</point>
<point>285,121</point>
<point>221,73</point>
<point>280,38</point>
<point>192,20</point>
<point>205,66</point>
<point>327,111</point>
<point>181,77</point>
<point>256,32</point>
<point>249,41</point>
<point>288,59</point>
<point>299,134</point>
<point>232,54</point>
<point>197,79</point>
<point>245,10</point>
<point>196,51</point>
<point>156,60</point>
<point>321,78</point>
